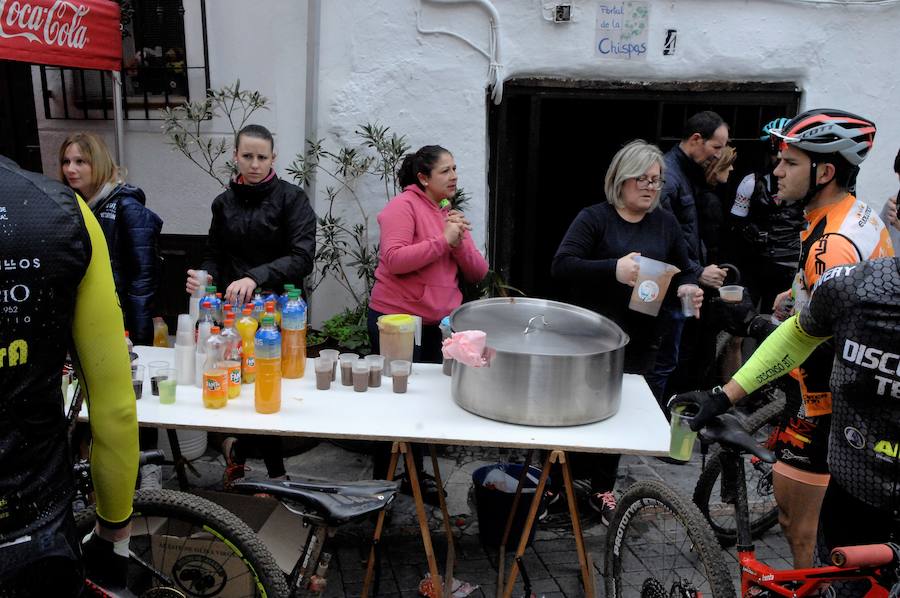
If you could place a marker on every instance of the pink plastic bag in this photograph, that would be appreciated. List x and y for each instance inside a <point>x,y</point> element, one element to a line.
<point>466,347</point>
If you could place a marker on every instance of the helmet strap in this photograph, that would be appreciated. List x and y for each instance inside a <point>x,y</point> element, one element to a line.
<point>814,187</point>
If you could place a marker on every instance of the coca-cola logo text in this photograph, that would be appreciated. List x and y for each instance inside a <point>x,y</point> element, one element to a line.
<point>57,25</point>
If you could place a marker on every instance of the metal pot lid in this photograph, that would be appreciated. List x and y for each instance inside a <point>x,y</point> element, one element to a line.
<point>539,326</point>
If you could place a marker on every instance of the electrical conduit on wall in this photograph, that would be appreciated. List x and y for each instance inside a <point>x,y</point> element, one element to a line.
<point>495,80</point>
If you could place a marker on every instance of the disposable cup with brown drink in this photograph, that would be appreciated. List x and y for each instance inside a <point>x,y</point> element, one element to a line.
<point>346,362</point>
<point>324,367</point>
<point>651,285</point>
<point>400,374</point>
<point>376,367</point>
<point>155,367</point>
<point>360,371</point>
<point>137,380</point>
<point>331,354</point>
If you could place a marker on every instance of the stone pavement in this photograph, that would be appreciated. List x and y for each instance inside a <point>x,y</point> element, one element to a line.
<point>551,562</point>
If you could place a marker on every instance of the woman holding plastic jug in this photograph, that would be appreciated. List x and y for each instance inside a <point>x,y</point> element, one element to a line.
<point>425,248</point>
<point>600,256</point>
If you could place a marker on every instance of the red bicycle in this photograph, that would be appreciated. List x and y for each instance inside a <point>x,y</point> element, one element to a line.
<point>659,545</point>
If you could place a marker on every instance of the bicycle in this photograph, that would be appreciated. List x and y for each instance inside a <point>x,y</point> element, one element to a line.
<point>690,569</point>
<point>716,505</point>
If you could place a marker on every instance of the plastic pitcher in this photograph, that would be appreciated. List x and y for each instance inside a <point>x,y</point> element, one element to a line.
<point>396,334</point>
<point>652,283</point>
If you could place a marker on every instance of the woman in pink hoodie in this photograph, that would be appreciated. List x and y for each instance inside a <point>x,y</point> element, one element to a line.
<point>425,247</point>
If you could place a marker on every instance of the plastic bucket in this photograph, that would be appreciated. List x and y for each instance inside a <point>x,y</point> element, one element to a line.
<point>492,506</point>
<point>191,442</point>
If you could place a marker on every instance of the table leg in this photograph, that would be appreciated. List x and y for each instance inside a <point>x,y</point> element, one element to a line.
<point>584,558</point>
<point>180,461</point>
<point>529,523</point>
<point>379,525</point>
<point>501,561</point>
<point>448,528</point>
<point>423,520</point>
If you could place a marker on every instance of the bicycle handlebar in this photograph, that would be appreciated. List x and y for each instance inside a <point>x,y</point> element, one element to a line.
<point>866,555</point>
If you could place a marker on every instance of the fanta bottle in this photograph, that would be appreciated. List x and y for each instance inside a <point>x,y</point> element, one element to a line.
<point>246,327</point>
<point>293,338</point>
<point>267,392</point>
<point>232,361</point>
<point>215,377</point>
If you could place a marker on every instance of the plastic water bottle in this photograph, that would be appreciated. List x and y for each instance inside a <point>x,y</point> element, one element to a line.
<point>267,391</point>
<point>215,302</point>
<point>293,338</point>
<point>259,305</point>
<point>246,327</point>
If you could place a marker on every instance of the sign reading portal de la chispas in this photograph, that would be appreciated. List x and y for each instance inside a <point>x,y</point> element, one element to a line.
<point>73,33</point>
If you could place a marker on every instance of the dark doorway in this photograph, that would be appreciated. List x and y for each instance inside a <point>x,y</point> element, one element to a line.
<point>551,142</point>
<point>18,123</point>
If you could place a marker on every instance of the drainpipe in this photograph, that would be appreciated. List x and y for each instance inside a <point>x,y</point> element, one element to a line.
<point>313,34</point>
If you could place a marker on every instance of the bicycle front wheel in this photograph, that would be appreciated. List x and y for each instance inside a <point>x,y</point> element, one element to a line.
<point>658,545</point>
<point>185,543</point>
<point>718,509</point>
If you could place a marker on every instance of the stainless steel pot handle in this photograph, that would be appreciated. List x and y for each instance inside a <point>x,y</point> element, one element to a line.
<point>528,327</point>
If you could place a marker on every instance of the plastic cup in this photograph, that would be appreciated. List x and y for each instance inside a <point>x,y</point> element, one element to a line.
<point>681,443</point>
<point>324,367</point>
<point>360,372</point>
<point>687,302</point>
<point>376,367</point>
<point>346,360</point>
<point>155,367</point>
<point>202,278</point>
<point>137,380</point>
<point>732,293</point>
<point>166,383</point>
<point>331,354</point>
<point>652,283</point>
<point>400,374</point>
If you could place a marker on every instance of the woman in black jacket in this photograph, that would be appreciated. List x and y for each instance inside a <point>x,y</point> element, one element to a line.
<point>131,229</point>
<point>263,230</point>
<point>263,234</point>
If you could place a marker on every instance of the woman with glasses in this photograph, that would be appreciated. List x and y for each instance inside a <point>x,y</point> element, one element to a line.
<point>596,257</point>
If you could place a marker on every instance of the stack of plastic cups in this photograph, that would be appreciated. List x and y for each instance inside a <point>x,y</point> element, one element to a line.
<point>194,301</point>
<point>184,350</point>
<point>203,333</point>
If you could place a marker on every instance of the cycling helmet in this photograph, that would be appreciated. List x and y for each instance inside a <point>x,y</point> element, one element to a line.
<point>773,125</point>
<point>827,131</point>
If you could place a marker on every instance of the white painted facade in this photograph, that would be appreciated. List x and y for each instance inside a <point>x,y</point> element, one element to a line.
<point>375,66</point>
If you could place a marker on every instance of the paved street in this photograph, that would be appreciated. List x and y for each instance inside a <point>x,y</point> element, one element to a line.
<point>551,563</point>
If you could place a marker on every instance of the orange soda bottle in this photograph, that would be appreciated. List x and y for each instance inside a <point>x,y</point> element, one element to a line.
<point>267,391</point>
<point>246,327</point>
<point>293,338</point>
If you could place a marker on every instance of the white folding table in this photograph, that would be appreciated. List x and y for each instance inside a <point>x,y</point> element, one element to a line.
<point>426,414</point>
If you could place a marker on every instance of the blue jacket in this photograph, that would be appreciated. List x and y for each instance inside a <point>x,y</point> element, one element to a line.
<point>679,195</point>
<point>132,234</point>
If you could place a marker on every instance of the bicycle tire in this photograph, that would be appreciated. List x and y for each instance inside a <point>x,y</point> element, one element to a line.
<point>658,545</point>
<point>209,547</point>
<point>764,514</point>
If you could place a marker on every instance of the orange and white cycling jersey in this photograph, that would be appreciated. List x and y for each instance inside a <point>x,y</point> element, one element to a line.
<point>841,233</point>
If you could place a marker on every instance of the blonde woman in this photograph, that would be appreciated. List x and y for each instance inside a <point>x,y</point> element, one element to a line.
<point>131,230</point>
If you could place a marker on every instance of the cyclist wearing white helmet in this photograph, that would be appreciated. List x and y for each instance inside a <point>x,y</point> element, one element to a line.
<point>819,156</point>
<point>768,230</point>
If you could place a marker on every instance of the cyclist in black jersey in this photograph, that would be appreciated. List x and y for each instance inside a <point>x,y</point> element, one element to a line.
<point>57,296</point>
<point>858,307</point>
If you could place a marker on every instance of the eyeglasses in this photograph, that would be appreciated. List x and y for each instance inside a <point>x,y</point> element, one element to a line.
<point>643,182</point>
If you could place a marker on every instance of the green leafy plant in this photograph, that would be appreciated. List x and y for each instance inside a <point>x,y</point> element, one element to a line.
<point>184,127</point>
<point>349,329</point>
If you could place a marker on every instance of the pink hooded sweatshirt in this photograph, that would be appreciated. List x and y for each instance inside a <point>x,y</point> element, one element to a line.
<point>417,268</point>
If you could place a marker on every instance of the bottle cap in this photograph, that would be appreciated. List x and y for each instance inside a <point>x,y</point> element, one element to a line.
<point>270,307</point>
<point>210,289</point>
<point>126,334</point>
<point>229,322</point>
<point>289,287</point>
<point>215,330</point>
<point>247,310</point>
<point>228,307</point>
<point>268,320</point>
<point>206,304</point>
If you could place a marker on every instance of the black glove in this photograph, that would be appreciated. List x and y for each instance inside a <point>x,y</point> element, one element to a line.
<point>733,318</point>
<point>102,564</point>
<point>707,404</point>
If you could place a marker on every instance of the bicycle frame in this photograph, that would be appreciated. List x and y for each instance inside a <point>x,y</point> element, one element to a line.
<point>782,582</point>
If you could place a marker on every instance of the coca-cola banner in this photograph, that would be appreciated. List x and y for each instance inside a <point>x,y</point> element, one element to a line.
<point>74,33</point>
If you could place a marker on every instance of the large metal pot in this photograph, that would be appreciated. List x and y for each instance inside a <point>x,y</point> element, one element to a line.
<point>550,363</point>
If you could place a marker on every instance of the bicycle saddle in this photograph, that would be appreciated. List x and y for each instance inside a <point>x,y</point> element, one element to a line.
<point>728,431</point>
<point>335,502</point>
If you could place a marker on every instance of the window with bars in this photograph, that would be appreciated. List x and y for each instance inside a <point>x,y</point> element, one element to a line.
<point>159,68</point>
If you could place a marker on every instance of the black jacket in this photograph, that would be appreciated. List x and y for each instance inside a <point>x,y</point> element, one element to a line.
<point>679,197</point>
<point>266,232</point>
<point>132,234</point>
